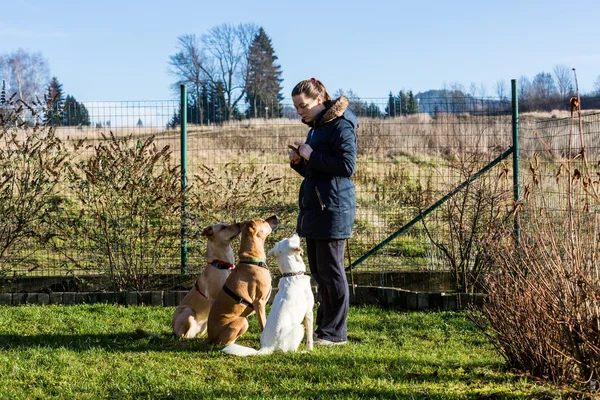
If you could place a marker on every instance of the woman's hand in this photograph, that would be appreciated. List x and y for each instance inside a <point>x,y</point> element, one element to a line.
<point>294,155</point>
<point>304,150</point>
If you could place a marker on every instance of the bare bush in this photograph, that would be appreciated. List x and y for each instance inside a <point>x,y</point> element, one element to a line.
<point>543,309</point>
<point>126,220</point>
<point>31,163</point>
<point>466,223</point>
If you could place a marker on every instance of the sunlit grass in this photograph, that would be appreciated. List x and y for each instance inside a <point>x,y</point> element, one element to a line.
<point>79,352</point>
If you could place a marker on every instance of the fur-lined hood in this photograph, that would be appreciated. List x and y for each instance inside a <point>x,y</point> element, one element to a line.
<point>338,108</point>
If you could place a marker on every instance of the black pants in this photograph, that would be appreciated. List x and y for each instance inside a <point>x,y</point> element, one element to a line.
<point>326,263</point>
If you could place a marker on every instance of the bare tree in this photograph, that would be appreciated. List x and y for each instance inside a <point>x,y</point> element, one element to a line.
<point>454,87</point>
<point>26,74</point>
<point>524,88</point>
<point>501,89</point>
<point>564,80</point>
<point>229,46</point>
<point>543,85</point>
<point>597,86</point>
<point>477,90</point>
<point>188,65</point>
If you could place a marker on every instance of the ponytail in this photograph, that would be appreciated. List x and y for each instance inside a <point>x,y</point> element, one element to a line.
<point>312,88</point>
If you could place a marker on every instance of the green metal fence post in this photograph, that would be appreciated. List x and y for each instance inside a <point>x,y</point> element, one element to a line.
<point>183,151</point>
<point>516,159</point>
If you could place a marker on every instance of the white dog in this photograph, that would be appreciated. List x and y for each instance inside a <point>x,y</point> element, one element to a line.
<point>291,308</point>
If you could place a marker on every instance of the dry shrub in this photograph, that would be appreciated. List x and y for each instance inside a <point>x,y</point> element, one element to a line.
<point>127,211</point>
<point>543,309</point>
<point>31,162</point>
<point>465,223</point>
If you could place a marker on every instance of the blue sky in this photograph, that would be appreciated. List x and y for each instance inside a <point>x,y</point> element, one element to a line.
<point>118,50</point>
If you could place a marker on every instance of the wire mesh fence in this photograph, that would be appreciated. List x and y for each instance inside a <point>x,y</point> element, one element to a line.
<point>113,206</point>
<point>561,160</point>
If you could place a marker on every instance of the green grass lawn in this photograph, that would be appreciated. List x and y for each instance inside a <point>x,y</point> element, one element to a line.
<point>91,351</point>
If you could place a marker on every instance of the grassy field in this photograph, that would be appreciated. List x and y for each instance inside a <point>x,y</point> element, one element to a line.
<point>90,352</point>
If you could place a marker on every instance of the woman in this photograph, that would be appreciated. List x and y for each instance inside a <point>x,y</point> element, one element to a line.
<point>327,200</point>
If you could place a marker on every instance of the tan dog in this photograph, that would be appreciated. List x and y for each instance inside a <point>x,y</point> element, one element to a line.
<point>248,287</point>
<point>292,306</point>
<point>191,315</point>
<point>574,103</point>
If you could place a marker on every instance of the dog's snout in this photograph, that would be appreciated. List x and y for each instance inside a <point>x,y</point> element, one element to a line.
<point>238,229</point>
<point>273,222</point>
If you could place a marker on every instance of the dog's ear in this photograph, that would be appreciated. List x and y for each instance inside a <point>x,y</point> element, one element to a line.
<point>243,224</point>
<point>250,227</point>
<point>298,250</point>
<point>273,222</point>
<point>208,231</point>
<point>298,253</point>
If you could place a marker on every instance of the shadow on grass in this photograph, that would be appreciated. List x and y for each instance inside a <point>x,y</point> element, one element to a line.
<point>117,342</point>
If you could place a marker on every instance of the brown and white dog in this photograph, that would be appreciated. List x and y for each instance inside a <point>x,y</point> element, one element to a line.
<point>247,289</point>
<point>191,315</point>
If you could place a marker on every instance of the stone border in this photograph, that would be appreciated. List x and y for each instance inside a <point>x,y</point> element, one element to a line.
<point>386,297</point>
<point>401,299</point>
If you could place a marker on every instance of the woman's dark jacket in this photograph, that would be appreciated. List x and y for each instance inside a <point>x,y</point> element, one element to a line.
<point>327,199</point>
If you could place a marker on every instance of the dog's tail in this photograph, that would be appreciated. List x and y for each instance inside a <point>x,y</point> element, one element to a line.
<point>237,350</point>
<point>144,333</point>
<point>265,351</point>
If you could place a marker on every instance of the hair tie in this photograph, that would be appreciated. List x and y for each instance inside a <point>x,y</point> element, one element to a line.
<point>314,80</point>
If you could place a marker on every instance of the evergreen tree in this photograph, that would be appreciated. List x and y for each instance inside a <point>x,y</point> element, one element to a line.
<point>3,101</point>
<point>401,104</point>
<point>372,110</point>
<point>402,100</point>
<point>175,120</point>
<point>54,102</point>
<point>263,84</point>
<point>75,113</point>
<point>194,110</point>
<point>390,109</point>
<point>204,94</point>
<point>411,104</point>
<point>217,106</point>
<point>3,93</point>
